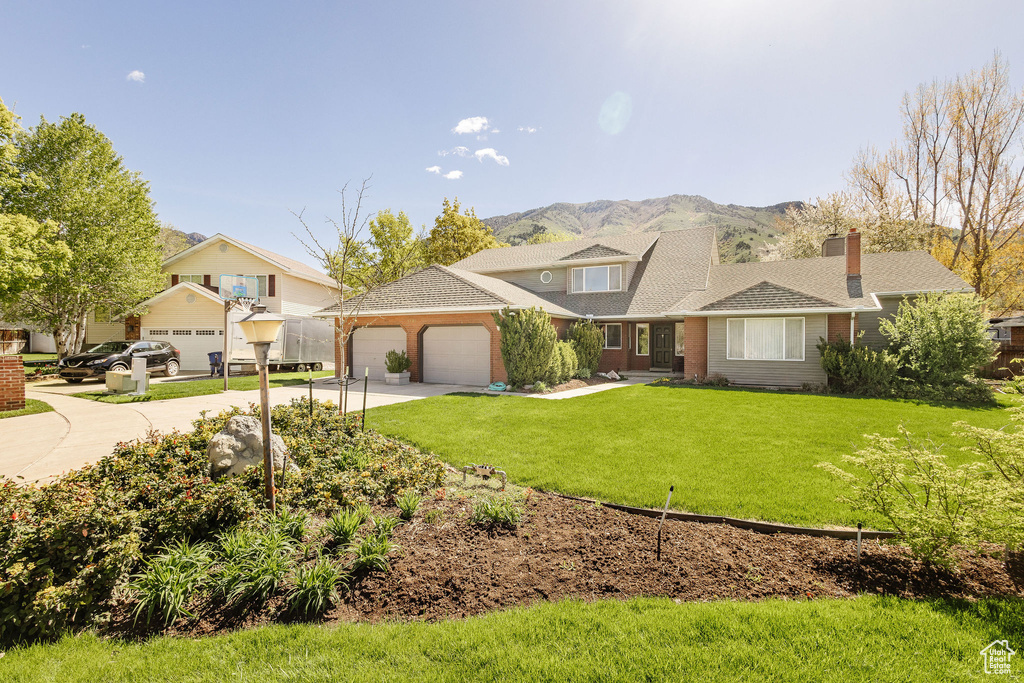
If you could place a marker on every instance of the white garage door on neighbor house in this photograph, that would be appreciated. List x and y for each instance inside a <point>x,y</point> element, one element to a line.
<point>193,343</point>
<point>369,346</point>
<point>457,355</point>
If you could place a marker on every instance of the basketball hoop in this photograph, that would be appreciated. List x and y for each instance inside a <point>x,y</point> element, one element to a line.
<point>246,304</point>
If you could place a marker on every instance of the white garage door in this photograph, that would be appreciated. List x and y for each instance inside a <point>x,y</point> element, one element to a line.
<point>369,344</point>
<point>457,355</point>
<point>193,343</point>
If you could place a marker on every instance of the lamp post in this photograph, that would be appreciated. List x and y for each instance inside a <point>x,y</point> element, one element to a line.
<point>260,329</point>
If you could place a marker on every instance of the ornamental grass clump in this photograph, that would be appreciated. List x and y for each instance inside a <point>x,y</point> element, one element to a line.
<point>170,580</point>
<point>256,575</point>
<point>314,588</point>
<point>342,526</point>
<point>371,552</point>
<point>498,512</point>
<point>408,503</point>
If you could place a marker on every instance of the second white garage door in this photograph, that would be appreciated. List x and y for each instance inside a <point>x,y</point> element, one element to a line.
<point>457,355</point>
<point>194,344</point>
<point>369,344</point>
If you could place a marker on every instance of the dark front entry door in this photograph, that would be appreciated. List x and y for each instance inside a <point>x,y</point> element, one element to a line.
<point>661,348</point>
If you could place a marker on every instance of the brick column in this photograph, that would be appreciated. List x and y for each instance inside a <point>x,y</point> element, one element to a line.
<point>695,358</point>
<point>12,383</point>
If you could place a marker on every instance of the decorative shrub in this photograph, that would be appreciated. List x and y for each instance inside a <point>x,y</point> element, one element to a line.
<point>857,369</point>
<point>566,365</point>
<point>587,342</point>
<point>503,512</point>
<point>540,388</point>
<point>397,361</point>
<point>939,339</point>
<point>584,373</point>
<point>527,342</point>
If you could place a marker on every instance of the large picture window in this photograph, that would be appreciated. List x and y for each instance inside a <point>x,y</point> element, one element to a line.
<point>643,339</point>
<point>612,335</point>
<point>765,339</point>
<point>597,279</point>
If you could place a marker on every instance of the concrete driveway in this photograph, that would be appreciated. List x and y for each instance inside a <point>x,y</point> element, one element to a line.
<point>41,446</point>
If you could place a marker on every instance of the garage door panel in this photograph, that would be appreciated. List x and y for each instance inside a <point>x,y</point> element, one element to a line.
<point>370,346</point>
<point>194,344</point>
<point>457,355</point>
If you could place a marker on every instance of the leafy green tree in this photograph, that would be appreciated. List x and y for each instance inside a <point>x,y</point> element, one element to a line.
<point>18,256</point>
<point>102,248</point>
<point>456,236</point>
<point>939,339</point>
<point>549,237</point>
<point>391,252</point>
<point>170,240</point>
<point>588,342</point>
<point>527,342</point>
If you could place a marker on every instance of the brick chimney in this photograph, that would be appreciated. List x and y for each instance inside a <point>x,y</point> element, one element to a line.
<point>853,255</point>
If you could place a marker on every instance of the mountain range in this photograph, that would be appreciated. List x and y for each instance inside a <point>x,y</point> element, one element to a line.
<point>742,230</point>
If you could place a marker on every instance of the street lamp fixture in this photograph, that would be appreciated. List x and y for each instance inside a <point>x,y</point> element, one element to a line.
<point>260,329</point>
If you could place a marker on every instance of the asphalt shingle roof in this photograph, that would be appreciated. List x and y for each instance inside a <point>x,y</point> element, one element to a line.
<point>537,255</point>
<point>825,278</point>
<point>766,295</point>
<point>594,251</point>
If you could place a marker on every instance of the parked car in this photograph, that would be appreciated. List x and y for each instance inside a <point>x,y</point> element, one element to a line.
<point>117,355</point>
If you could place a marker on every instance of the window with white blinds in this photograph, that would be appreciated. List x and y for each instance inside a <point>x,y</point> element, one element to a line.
<point>765,339</point>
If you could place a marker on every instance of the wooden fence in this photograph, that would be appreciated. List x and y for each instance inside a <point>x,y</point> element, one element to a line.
<point>1001,367</point>
<point>13,342</point>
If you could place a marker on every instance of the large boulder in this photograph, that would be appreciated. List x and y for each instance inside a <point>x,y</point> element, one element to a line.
<point>240,445</point>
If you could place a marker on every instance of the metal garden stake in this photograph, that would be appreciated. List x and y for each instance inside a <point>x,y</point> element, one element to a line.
<point>662,523</point>
<point>311,393</point>
<point>366,377</point>
<point>858,544</point>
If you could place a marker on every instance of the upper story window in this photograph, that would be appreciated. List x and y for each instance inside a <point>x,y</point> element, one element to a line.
<point>196,279</point>
<point>597,279</point>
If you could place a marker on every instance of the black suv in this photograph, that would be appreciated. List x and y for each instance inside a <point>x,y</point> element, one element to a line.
<point>118,355</point>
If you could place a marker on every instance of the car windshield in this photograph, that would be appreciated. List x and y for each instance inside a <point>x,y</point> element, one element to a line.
<point>110,347</point>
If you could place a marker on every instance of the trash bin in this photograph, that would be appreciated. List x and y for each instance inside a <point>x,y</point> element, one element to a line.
<point>216,366</point>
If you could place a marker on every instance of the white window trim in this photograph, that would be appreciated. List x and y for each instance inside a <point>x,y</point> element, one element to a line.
<point>190,277</point>
<point>638,326</point>
<point>803,344</point>
<point>265,293</point>
<point>572,280</point>
<point>619,325</point>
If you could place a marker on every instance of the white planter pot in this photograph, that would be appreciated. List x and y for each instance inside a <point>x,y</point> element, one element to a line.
<point>396,377</point>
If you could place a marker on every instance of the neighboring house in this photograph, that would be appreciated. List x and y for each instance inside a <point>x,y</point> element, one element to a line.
<point>190,312</point>
<point>1008,332</point>
<point>664,301</point>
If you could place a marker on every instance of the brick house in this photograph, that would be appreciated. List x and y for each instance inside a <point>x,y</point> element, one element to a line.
<point>663,300</point>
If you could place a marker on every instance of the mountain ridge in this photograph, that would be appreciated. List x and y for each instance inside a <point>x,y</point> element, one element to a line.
<point>741,229</point>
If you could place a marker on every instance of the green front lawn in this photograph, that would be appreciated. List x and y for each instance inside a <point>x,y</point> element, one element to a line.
<point>32,407</point>
<point>159,391</point>
<point>26,357</point>
<point>867,639</point>
<point>749,454</point>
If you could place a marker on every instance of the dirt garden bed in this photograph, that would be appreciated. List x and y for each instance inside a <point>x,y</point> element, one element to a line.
<point>567,549</point>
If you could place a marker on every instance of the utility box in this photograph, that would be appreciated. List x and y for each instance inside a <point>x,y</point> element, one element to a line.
<point>121,382</point>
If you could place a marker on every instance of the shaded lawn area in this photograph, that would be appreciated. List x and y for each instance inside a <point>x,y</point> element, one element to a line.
<point>32,407</point>
<point>738,453</point>
<point>867,639</point>
<point>159,391</point>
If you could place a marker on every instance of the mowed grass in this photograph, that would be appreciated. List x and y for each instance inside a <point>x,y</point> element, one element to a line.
<point>748,454</point>
<point>32,407</point>
<point>866,639</point>
<point>159,391</point>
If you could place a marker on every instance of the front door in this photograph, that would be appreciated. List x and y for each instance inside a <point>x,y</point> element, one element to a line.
<point>661,347</point>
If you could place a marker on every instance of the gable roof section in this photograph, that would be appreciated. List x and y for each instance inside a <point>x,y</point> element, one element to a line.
<point>824,278</point>
<point>288,265</point>
<point>538,255</point>
<point>766,295</point>
<point>198,289</point>
<point>440,288</point>
<point>594,251</point>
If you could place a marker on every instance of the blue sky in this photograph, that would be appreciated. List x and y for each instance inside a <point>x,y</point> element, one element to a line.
<point>242,112</point>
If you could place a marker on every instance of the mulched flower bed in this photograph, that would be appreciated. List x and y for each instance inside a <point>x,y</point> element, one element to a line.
<point>575,384</point>
<point>568,549</point>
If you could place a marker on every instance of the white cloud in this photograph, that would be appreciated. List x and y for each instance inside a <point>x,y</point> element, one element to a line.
<point>474,124</point>
<point>137,76</point>
<point>453,175</point>
<point>434,169</point>
<point>495,131</point>
<point>490,153</point>
<point>526,129</point>
<point>457,151</point>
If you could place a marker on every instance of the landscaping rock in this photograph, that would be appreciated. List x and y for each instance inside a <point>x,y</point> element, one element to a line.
<point>240,445</point>
<point>613,376</point>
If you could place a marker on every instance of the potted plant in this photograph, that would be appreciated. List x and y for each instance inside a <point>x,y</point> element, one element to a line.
<point>397,364</point>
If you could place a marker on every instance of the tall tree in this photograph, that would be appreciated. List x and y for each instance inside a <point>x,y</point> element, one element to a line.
<point>958,173</point>
<point>391,252</point>
<point>99,246</point>
<point>170,240</point>
<point>456,236</point>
